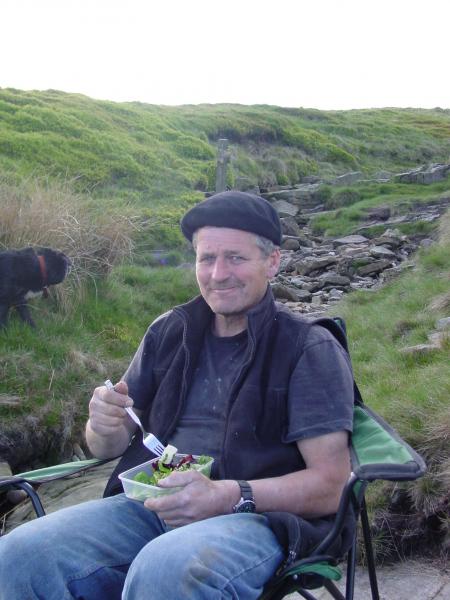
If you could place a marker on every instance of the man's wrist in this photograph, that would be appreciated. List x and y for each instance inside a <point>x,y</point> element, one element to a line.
<point>246,502</point>
<point>230,493</point>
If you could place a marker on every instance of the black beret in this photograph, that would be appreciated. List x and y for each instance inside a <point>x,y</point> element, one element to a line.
<point>236,210</point>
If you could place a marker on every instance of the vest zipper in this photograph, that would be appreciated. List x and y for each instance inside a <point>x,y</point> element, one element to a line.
<point>183,390</point>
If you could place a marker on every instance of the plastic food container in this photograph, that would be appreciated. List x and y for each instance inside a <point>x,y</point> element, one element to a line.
<point>141,491</point>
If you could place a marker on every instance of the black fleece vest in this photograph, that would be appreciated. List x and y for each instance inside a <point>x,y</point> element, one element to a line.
<point>257,415</point>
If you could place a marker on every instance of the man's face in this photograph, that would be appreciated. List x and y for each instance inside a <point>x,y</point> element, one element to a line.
<point>232,271</point>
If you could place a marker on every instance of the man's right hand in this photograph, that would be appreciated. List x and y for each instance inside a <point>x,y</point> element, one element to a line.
<point>107,412</point>
<point>109,428</point>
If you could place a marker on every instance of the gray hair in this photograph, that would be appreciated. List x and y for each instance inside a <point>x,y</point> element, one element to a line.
<point>265,245</point>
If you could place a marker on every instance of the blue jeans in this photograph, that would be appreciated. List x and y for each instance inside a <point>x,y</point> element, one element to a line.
<point>116,548</point>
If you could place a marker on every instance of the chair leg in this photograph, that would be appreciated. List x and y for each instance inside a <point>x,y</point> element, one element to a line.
<point>351,567</point>
<point>35,500</point>
<point>305,594</point>
<point>369,551</point>
<point>287,587</point>
<point>333,590</point>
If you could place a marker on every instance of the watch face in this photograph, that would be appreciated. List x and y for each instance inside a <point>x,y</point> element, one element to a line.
<point>247,506</point>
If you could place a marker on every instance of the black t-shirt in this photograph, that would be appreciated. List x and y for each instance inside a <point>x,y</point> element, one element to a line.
<point>320,398</point>
<point>201,427</point>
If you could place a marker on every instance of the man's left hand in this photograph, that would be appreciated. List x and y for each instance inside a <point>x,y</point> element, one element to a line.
<point>199,498</point>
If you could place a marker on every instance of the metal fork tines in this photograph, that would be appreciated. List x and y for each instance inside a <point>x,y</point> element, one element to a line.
<point>149,440</point>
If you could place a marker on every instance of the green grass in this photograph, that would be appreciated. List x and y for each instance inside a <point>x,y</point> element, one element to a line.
<point>145,158</point>
<point>159,151</point>
<point>54,368</point>
<point>400,197</point>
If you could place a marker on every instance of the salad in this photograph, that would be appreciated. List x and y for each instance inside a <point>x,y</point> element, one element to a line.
<point>169,463</point>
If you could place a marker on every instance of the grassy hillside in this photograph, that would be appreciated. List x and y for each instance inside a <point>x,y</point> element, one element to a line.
<point>152,152</point>
<point>154,161</point>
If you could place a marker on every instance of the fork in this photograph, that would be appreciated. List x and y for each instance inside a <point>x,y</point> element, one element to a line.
<point>149,440</point>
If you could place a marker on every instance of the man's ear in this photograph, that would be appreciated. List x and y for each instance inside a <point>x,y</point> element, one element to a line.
<point>273,263</point>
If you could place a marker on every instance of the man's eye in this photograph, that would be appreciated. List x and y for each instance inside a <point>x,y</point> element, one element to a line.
<point>206,259</point>
<point>236,258</point>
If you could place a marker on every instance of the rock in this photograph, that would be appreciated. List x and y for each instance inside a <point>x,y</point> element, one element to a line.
<point>289,226</point>
<point>281,292</point>
<point>352,251</point>
<point>426,243</point>
<point>310,179</point>
<point>380,213</point>
<point>285,209</point>
<point>348,178</point>
<point>420,349</point>
<point>303,295</point>
<point>439,338</point>
<point>302,195</point>
<point>351,239</point>
<point>10,400</point>
<point>310,264</point>
<point>443,323</point>
<point>335,294</point>
<point>374,268</point>
<point>305,241</point>
<point>323,250</point>
<point>391,238</point>
<point>299,281</point>
<point>383,175</point>
<point>290,244</point>
<point>441,302</point>
<point>381,252</point>
<point>391,273</point>
<point>334,279</point>
<point>424,175</point>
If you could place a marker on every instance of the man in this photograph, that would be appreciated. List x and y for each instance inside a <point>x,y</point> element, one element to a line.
<point>229,374</point>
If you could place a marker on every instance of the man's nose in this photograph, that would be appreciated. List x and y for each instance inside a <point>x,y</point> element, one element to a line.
<point>220,270</point>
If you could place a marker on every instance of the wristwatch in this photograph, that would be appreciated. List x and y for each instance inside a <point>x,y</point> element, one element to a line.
<point>247,503</point>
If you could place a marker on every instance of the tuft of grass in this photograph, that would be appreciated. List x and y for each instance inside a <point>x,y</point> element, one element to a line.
<point>47,213</point>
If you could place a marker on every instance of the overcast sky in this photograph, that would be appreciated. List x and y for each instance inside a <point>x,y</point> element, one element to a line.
<point>326,54</point>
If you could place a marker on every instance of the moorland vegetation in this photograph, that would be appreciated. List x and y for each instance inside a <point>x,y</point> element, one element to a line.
<point>107,183</point>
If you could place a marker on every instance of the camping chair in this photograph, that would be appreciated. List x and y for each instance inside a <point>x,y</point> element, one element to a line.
<point>377,453</point>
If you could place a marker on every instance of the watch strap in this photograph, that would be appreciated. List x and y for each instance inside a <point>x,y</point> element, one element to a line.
<point>246,490</point>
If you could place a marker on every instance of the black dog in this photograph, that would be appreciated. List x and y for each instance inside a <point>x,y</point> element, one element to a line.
<point>28,270</point>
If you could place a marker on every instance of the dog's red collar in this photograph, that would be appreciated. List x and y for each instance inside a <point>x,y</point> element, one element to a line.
<point>43,268</point>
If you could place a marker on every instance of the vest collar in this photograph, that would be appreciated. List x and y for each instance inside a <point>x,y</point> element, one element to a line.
<point>198,315</point>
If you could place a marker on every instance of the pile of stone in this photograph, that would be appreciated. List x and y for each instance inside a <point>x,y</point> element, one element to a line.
<point>316,272</point>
